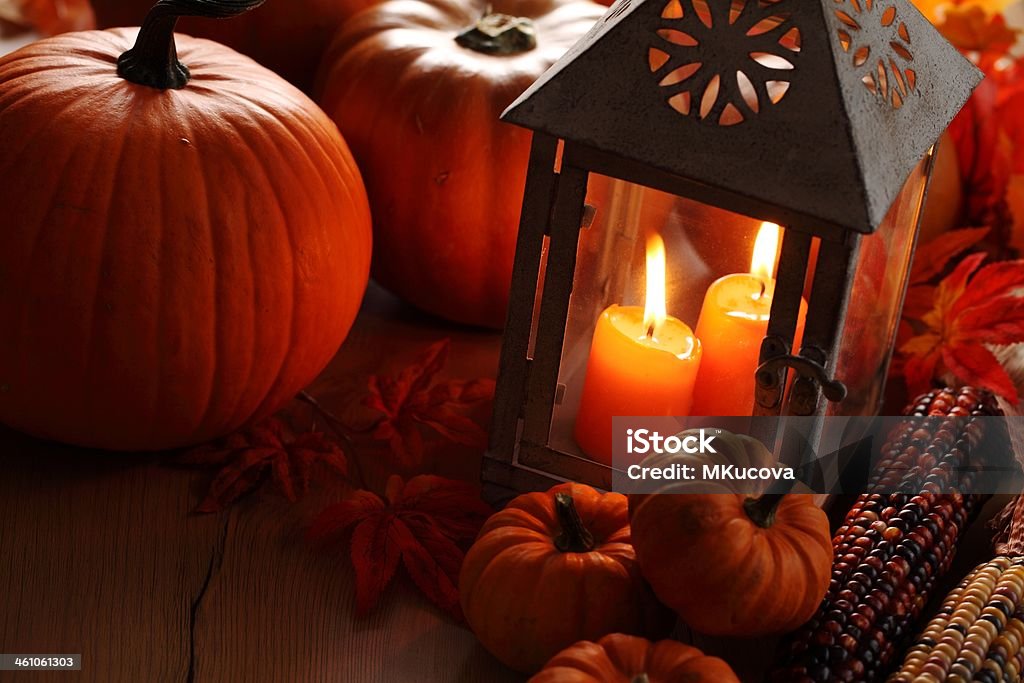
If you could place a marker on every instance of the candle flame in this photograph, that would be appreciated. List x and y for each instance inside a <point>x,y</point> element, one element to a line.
<point>766,251</point>
<point>654,304</point>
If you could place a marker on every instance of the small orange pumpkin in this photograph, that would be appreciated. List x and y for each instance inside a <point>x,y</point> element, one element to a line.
<point>417,87</point>
<point>732,565</point>
<point>554,568</point>
<point>618,658</point>
<point>179,255</point>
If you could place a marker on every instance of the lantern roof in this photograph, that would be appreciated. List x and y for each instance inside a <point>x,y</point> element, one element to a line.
<point>820,108</point>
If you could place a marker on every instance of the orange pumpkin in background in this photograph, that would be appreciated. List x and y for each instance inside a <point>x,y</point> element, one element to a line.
<point>179,257</point>
<point>619,658</point>
<point>552,569</point>
<point>286,36</point>
<point>417,88</point>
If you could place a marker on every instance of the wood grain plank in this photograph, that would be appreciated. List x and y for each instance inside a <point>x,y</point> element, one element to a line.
<point>278,610</point>
<point>99,557</point>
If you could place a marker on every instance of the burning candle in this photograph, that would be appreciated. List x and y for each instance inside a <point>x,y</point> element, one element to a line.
<point>642,362</point>
<point>733,322</point>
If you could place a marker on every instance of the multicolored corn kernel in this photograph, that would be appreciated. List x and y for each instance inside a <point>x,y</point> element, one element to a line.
<point>895,543</point>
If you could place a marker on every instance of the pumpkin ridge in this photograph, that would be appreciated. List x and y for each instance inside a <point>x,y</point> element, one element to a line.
<point>156,411</point>
<point>274,385</point>
<point>203,416</point>
<point>776,573</point>
<point>802,548</point>
<point>105,257</point>
<point>118,168</point>
<point>317,134</point>
<point>100,242</point>
<point>286,155</point>
<point>224,374</point>
<point>792,549</point>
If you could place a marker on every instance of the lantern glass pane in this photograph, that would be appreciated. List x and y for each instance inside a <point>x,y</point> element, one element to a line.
<point>876,301</point>
<point>701,243</point>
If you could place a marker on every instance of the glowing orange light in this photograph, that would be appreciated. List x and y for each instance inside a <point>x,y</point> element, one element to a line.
<point>654,303</point>
<point>766,251</point>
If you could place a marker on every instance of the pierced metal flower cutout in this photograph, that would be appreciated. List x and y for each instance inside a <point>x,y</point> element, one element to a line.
<point>724,62</point>
<point>878,42</point>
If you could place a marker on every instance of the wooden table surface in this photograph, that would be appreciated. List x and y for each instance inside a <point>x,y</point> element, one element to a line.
<point>101,554</point>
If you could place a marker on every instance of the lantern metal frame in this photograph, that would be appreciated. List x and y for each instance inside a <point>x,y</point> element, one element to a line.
<point>847,160</point>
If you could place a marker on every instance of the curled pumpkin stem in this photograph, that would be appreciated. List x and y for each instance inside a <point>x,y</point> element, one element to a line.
<point>153,61</point>
<point>575,537</point>
<point>499,34</point>
<point>761,510</point>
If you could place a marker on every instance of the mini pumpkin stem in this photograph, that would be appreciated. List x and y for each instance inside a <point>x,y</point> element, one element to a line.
<point>575,538</point>
<point>499,34</point>
<point>762,510</point>
<point>153,61</point>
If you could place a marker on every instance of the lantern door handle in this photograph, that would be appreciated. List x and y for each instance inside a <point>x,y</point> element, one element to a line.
<point>770,374</point>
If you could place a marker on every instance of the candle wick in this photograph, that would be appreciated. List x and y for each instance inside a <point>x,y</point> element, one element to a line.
<point>650,332</point>
<point>764,288</point>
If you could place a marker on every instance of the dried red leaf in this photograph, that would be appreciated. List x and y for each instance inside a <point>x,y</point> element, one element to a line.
<point>973,307</point>
<point>932,258</point>
<point>265,450</point>
<point>989,140</point>
<point>424,522</point>
<point>412,399</point>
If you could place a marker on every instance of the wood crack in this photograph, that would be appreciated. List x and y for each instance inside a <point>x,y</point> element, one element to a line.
<point>216,560</point>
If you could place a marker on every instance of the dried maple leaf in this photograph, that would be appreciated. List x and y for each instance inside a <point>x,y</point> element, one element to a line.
<point>424,523</point>
<point>930,260</point>
<point>265,450</point>
<point>412,399</point>
<point>973,307</point>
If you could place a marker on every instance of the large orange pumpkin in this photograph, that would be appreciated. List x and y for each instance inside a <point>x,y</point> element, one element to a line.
<point>286,36</point>
<point>418,97</point>
<point>177,259</point>
<point>552,569</point>
<point>618,658</point>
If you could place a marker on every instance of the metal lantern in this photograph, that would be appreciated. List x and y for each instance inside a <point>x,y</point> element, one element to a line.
<point>695,126</point>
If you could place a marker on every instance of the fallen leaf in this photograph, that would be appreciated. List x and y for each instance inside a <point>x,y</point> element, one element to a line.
<point>264,451</point>
<point>413,399</point>
<point>973,308</point>
<point>424,523</point>
<point>932,258</point>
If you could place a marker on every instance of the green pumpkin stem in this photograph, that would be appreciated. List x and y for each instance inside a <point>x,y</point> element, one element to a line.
<point>761,511</point>
<point>499,34</point>
<point>153,61</point>
<point>575,537</point>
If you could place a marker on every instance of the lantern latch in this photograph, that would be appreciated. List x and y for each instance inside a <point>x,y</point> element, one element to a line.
<point>812,381</point>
